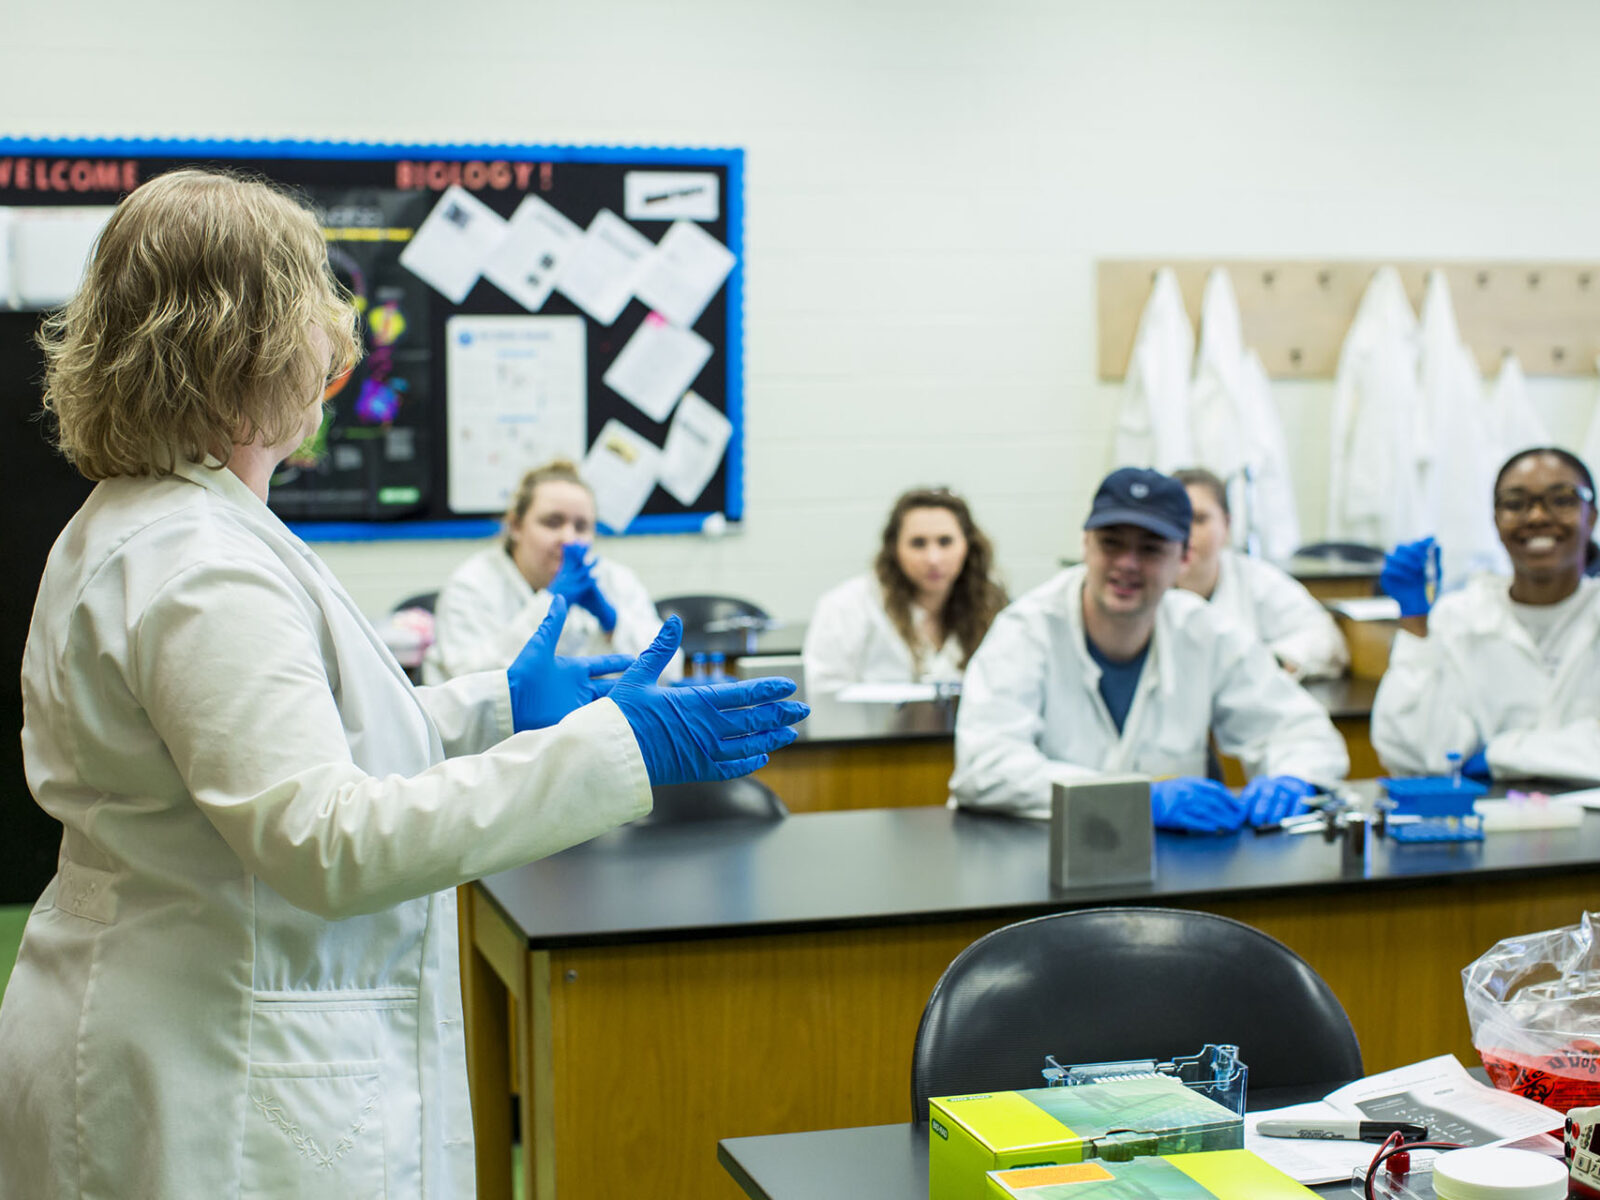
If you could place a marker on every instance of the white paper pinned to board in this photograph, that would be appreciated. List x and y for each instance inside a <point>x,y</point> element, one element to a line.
<point>451,246</point>
<point>622,469</point>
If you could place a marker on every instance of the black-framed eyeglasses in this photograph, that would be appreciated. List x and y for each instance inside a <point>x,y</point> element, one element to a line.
<point>1563,499</point>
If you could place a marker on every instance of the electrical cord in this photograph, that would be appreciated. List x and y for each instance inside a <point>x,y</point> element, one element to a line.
<point>1394,1146</point>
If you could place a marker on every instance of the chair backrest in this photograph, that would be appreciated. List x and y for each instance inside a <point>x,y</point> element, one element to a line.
<point>1350,552</point>
<point>422,600</point>
<point>700,612</point>
<point>714,800</point>
<point>1109,984</point>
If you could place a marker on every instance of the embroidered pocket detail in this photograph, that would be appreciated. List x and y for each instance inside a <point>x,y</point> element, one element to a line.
<point>273,1110</point>
<point>86,892</point>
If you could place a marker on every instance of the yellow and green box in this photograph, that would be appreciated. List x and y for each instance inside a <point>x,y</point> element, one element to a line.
<point>1209,1175</point>
<point>1116,1120</point>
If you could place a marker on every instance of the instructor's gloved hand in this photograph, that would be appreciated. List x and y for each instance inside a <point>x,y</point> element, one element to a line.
<point>1190,804</point>
<point>545,687</point>
<point>575,581</point>
<point>1477,767</point>
<point>1268,799</point>
<point>1405,575</point>
<point>706,731</point>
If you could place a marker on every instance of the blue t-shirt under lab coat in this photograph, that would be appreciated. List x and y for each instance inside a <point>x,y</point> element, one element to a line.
<point>1118,680</point>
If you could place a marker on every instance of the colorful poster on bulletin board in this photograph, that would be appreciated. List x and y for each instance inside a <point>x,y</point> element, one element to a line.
<point>517,303</point>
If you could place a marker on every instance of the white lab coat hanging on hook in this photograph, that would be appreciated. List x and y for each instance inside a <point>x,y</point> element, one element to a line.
<point>1591,443</point>
<point>1153,418</point>
<point>1374,485</point>
<point>1236,430</point>
<point>1459,477</point>
<point>1514,424</point>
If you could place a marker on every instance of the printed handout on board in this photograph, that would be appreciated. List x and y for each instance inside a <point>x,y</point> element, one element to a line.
<point>49,248</point>
<point>516,398</point>
<point>687,269</point>
<point>657,366</point>
<point>671,196</point>
<point>623,469</point>
<point>453,243</point>
<point>601,272</point>
<point>695,442</point>
<point>525,264</point>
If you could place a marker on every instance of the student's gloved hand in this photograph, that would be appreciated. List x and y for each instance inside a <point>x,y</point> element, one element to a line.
<point>1477,767</point>
<point>575,581</point>
<point>1190,804</point>
<point>706,731</point>
<point>545,687</point>
<point>1405,575</point>
<point>1268,799</point>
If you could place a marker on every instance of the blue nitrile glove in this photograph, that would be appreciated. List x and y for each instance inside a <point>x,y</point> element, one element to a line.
<point>575,580</point>
<point>545,686</point>
<point>1268,799</point>
<point>1477,767</point>
<point>1190,804</point>
<point>1405,575</point>
<point>707,731</point>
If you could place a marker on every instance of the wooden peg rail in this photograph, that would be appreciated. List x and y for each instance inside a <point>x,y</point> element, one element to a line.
<point>1296,313</point>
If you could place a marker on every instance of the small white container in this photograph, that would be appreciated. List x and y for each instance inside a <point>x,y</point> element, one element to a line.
<point>1498,1174</point>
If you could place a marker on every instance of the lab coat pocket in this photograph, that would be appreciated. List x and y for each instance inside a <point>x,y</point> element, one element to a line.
<point>313,1131</point>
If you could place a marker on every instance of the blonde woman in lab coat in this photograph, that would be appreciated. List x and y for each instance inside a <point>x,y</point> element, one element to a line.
<point>495,600</point>
<point>921,611</point>
<point>1504,672</point>
<point>1263,599</point>
<point>242,980</point>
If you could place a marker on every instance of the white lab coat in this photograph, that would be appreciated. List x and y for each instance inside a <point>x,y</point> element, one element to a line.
<point>1279,611</point>
<point>1591,441</point>
<point>1378,442</point>
<point>1478,681</point>
<point>1031,711</point>
<point>1153,418</point>
<point>1235,427</point>
<point>1459,476</point>
<point>488,610</point>
<point>850,639</point>
<point>243,979</point>
<point>1514,423</point>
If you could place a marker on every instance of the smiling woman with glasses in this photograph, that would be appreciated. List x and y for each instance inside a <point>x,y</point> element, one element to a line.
<point>1505,672</point>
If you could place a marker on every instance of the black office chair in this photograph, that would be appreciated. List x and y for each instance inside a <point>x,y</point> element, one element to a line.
<point>713,624</point>
<point>1355,553</point>
<point>1109,984</point>
<point>745,798</point>
<point>423,600</point>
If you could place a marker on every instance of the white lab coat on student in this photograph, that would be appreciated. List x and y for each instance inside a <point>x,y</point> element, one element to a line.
<point>243,979</point>
<point>1235,428</point>
<point>1279,611</point>
<point>1378,443</point>
<point>1031,711</point>
<point>850,639</point>
<point>1153,418</point>
<point>488,610</point>
<point>1464,454</point>
<point>1478,681</point>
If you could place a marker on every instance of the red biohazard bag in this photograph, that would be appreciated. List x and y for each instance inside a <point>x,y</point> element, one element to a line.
<point>1534,1005</point>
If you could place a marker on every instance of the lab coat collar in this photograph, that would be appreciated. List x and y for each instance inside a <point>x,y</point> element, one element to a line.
<point>217,479</point>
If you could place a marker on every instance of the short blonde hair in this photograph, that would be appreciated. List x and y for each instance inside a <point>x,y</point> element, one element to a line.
<point>561,470</point>
<point>193,328</point>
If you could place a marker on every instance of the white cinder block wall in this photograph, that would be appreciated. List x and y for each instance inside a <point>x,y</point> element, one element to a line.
<point>929,186</point>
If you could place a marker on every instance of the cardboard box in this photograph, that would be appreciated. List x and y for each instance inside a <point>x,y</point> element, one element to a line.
<point>969,1136</point>
<point>1218,1174</point>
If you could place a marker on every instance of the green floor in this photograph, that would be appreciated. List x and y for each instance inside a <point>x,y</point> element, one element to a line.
<point>11,918</point>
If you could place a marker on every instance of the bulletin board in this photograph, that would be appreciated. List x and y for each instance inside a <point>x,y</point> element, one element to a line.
<point>517,303</point>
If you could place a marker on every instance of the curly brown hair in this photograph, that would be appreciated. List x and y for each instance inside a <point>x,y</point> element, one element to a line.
<point>975,598</point>
<point>193,328</point>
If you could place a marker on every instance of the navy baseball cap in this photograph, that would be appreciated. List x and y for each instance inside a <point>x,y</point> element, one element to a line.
<point>1142,497</point>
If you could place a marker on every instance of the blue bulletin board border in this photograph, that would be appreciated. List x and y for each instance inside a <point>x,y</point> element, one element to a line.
<point>730,158</point>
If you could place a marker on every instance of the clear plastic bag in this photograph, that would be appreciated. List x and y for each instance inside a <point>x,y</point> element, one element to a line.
<point>1534,1005</point>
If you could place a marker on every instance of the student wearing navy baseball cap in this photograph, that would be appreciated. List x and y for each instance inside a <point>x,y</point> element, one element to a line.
<point>1107,668</point>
